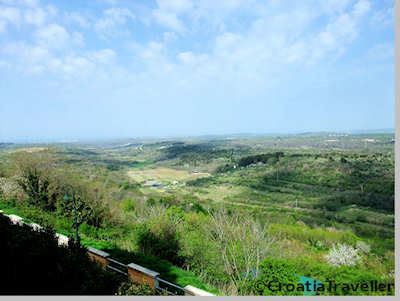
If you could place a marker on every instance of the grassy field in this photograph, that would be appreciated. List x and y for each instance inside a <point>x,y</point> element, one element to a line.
<point>164,174</point>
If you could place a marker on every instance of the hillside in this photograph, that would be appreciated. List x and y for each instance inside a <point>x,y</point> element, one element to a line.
<point>217,211</point>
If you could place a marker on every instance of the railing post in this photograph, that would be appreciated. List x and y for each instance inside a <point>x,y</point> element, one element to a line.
<point>141,275</point>
<point>98,256</point>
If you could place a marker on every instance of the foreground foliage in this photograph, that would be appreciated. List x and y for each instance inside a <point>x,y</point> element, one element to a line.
<point>34,264</point>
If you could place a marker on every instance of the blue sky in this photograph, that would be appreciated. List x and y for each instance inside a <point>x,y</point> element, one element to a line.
<point>109,68</point>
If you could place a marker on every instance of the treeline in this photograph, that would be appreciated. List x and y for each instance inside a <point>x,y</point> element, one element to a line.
<point>260,158</point>
<point>200,152</point>
<point>79,156</point>
<point>369,200</point>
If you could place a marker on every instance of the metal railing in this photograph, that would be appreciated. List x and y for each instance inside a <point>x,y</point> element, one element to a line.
<point>170,288</point>
<point>162,285</point>
<point>118,267</point>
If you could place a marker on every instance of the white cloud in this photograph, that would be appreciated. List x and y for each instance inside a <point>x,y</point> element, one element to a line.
<point>103,56</point>
<point>170,20</point>
<point>169,36</point>
<point>289,37</point>
<point>334,6</point>
<point>26,58</point>
<point>29,3</point>
<point>186,57</point>
<point>25,13</point>
<point>225,42</point>
<point>112,21</point>
<point>9,15</point>
<point>380,52</point>
<point>339,33</point>
<point>361,8</point>
<point>270,36</point>
<point>169,11</point>
<point>38,60</point>
<point>53,36</point>
<point>271,42</point>
<point>119,15</point>
<point>35,16</point>
<point>175,6</point>
<point>154,50</point>
<point>383,17</point>
<point>77,18</point>
<point>40,15</point>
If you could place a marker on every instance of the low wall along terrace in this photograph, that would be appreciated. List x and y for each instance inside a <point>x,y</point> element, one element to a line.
<point>98,256</point>
<point>137,273</point>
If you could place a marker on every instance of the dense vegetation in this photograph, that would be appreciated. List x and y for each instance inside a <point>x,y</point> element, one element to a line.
<point>34,264</point>
<point>220,214</point>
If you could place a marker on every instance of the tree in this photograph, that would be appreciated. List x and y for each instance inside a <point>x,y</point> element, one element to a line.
<point>79,209</point>
<point>243,244</point>
<point>278,156</point>
<point>34,172</point>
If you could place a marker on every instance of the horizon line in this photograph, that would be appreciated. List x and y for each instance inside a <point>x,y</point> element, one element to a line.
<point>168,137</point>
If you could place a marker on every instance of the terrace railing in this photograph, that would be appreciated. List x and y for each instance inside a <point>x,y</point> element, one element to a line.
<point>170,288</point>
<point>142,275</point>
<point>117,267</point>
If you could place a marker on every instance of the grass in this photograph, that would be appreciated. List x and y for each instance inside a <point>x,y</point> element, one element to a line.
<point>163,174</point>
<point>305,233</point>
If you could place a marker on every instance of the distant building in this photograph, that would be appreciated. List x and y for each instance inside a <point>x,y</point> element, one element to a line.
<point>152,183</point>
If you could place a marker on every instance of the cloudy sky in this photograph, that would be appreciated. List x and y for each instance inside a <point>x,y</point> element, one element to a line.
<point>133,68</point>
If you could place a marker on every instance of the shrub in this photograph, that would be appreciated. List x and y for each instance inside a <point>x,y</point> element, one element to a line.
<point>342,255</point>
<point>159,238</point>
<point>128,205</point>
<point>276,271</point>
<point>131,289</point>
<point>151,202</point>
<point>289,270</point>
<point>198,208</point>
<point>175,214</point>
<point>363,247</point>
<point>201,254</point>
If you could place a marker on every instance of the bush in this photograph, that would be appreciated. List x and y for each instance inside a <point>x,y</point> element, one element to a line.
<point>363,247</point>
<point>276,271</point>
<point>201,254</point>
<point>128,205</point>
<point>159,238</point>
<point>343,255</point>
<point>131,289</point>
<point>289,271</point>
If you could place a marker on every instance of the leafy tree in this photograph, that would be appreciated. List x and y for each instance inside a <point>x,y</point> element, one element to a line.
<point>34,177</point>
